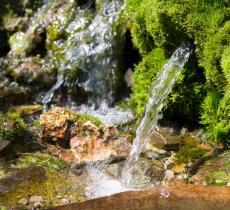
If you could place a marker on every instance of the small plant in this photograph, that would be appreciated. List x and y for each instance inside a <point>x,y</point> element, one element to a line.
<point>39,159</point>
<point>12,127</point>
<point>85,117</point>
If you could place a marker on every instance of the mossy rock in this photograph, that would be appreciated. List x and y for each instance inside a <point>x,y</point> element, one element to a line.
<point>12,127</point>
<point>214,171</point>
<point>38,174</point>
<point>189,151</point>
<point>56,124</point>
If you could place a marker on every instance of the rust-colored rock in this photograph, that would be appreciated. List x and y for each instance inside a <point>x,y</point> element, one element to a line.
<point>80,141</point>
<point>55,125</point>
<point>181,197</point>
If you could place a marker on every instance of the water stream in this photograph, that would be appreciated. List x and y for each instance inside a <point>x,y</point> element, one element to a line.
<point>93,49</point>
<point>100,182</point>
<point>160,89</point>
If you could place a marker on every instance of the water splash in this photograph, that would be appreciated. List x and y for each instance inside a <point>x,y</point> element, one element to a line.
<point>101,184</point>
<point>107,115</point>
<point>161,87</point>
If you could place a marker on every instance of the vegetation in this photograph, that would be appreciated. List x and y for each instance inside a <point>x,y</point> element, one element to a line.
<point>202,93</point>
<point>12,127</point>
<point>85,117</point>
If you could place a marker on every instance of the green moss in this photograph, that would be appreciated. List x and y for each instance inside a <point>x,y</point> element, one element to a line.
<point>205,24</point>
<point>46,182</point>
<point>42,160</point>
<point>143,77</point>
<point>85,117</point>
<point>12,127</point>
<point>218,178</point>
<point>225,63</point>
<point>189,153</point>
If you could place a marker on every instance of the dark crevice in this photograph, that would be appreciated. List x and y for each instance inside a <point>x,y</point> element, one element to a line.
<point>41,47</point>
<point>4,46</point>
<point>131,54</point>
<point>86,4</point>
<point>131,57</point>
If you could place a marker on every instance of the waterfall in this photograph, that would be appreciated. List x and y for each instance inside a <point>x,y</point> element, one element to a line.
<point>92,49</point>
<point>161,87</point>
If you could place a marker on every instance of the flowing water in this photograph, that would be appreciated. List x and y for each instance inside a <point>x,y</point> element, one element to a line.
<point>90,50</point>
<point>93,50</point>
<point>161,87</point>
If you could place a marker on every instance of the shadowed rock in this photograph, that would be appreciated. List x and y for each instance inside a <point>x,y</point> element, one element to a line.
<point>181,197</point>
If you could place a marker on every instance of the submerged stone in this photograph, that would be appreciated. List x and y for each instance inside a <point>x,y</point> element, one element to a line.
<point>214,171</point>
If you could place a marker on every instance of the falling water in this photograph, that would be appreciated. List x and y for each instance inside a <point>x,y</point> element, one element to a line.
<point>161,87</point>
<point>93,49</point>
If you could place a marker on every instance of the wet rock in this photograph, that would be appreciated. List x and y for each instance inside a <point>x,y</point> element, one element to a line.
<point>14,23</point>
<point>129,77</point>
<point>169,175</point>
<point>166,138</point>
<point>32,70</point>
<point>25,109</point>
<point>37,205</point>
<point>152,152</point>
<point>10,90</point>
<point>36,199</point>
<point>22,44</point>
<point>3,145</point>
<point>23,201</point>
<point>180,198</point>
<point>86,141</point>
<point>214,171</point>
<point>65,201</point>
<point>145,171</point>
<point>55,125</point>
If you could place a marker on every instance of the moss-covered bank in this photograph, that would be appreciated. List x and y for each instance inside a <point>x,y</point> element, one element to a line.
<point>202,93</point>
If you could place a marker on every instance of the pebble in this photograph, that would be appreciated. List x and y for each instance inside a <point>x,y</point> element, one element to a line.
<point>65,201</point>
<point>37,205</point>
<point>36,199</point>
<point>169,174</point>
<point>23,201</point>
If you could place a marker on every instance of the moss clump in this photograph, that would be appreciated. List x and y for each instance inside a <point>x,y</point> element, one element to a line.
<point>85,117</point>
<point>218,178</point>
<point>205,24</point>
<point>189,153</point>
<point>41,160</point>
<point>143,77</point>
<point>12,127</point>
<point>46,182</point>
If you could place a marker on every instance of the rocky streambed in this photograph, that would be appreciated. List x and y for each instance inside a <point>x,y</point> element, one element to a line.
<point>67,157</point>
<point>66,72</point>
